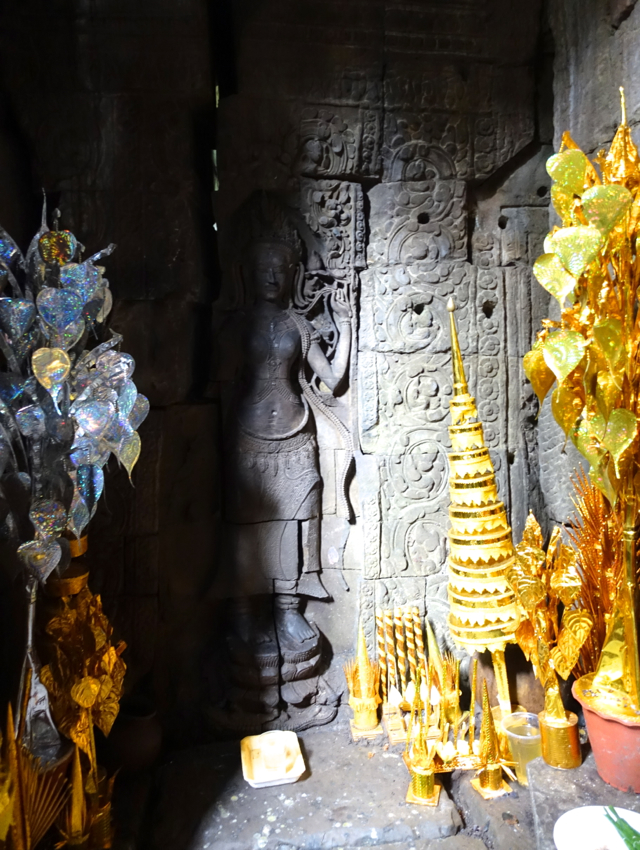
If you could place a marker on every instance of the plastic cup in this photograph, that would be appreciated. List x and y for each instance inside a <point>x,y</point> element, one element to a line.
<point>523,732</point>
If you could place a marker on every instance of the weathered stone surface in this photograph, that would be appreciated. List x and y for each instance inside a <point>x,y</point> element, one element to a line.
<point>554,792</point>
<point>347,798</point>
<point>506,822</point>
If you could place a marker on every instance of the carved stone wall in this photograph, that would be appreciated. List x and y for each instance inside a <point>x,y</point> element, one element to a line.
<point>596,53</point>
<point>411,138</point>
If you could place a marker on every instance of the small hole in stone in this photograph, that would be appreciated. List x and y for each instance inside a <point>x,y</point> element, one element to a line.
<point>487,308</point>
<point>511,456</point>
<point>418,308</point>
<point>423,218</point>
<point>542,191</point>
<point>502,222</point>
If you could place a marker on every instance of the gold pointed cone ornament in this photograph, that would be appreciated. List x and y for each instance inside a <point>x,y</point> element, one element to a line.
<point>483,609</point>
<point>489,782</point>
<point>363,680</point>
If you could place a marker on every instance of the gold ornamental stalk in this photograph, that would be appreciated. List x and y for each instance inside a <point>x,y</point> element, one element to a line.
<point>411,644</point>
<point>483,610</point>
<point>400,649</point>
<point>363,680</point>
<point>591,354</point>
<point>419,641</point>
<point>382,654</point>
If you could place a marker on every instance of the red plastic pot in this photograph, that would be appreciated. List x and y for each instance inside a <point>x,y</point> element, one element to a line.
<point>616,746</point>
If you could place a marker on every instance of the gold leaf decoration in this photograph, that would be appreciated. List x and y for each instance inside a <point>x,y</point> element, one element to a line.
<point>620,433</point>
<point>576,626</point>
<point>538,373</point>
<point>550,273</point>
<point>563,351</point>
<point>565,579</point>
<point>604,206</point>
<point>569,170</point>
<point>577,247</point>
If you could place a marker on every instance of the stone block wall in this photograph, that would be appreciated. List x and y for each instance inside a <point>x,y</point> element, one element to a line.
<point>430,124</point>
<point>109,107</point>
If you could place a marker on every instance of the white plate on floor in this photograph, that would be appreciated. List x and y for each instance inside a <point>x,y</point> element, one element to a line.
<point>587,828</point>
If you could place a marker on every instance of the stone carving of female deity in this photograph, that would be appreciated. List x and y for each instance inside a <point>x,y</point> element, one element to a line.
<point>272,492</point>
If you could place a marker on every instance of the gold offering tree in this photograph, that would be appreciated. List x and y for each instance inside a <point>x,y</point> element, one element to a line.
<point>591,355</point>
<point>483,613</point>
<point>547,584</point>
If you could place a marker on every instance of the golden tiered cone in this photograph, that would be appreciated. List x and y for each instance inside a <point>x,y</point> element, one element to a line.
<point>489,782</point>
<point>483,609</point>
<point>74,822</point>
<point>363,680</point>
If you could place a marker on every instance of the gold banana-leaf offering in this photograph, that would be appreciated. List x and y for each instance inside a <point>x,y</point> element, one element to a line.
<point>85,675</point>
<point>589,358</point>
<point>551,632</point>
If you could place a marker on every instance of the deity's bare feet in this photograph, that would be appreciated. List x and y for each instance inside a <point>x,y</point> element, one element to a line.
<point>291,623</point>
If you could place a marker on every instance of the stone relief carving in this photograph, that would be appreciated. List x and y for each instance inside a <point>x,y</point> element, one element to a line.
<point>273,483</point>
<point>378,165</point>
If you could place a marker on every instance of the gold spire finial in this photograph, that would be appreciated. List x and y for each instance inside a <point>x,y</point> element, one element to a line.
<point>623,106</point>
<point>489,750</point>
<point>459,378</point>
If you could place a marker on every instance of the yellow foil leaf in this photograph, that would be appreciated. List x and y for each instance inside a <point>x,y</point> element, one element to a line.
<point>85,692</point>
<point>538,373</point>
<point>604,206</point>
<point>526,638</point>
<point>562,203</point>
<point>577,247</point>
<point>566,406</point>
<point>563,351</point>
<point>608,335</point>
<point>50,366</point>
<point>607,393</point>
<point>576,626</point>
<point>621,431</point>
<point>551,274</point>
<point>129,452</point>
<point>530,592</point>
<point>532,534</point>
<point>565,580</point>
<point>569,170</point>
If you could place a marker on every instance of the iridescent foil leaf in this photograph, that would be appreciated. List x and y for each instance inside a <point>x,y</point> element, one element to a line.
<point>621,431</point>
<point>79,515</point>
<point>129,451</point>
<point>566,407</point>
<point>24,344</point>
<point>551,274</point>
<point>90,483</point>
<point>107,304</point>
<point>82,278</point>
<point>139,411</point>
<point>599,477</point>
<point>59,307</point>
<point>562,351</point>
<point>604,206</point>
<point>126,398</point>
<point>577,247</point>
<point>57,247</point>
<point>16,316</point>
<point>569,169</point>
<point>11,387</point>
<point>116,368</point>
<point>31,421</point>
<point>50,366</point>
<point>67,338</point>
<point>40,557</point>
<point>48,517</point>
<point>538,373</point>
<point>94,417</point>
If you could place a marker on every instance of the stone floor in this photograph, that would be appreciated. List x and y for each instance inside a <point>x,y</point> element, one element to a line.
<point>352,795</point>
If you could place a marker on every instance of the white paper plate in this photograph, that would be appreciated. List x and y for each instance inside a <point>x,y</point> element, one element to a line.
<point>587,828</point>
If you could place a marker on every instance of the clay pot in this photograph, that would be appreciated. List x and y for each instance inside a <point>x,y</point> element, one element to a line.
<point>616,746</point>
<point>135,741</point>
